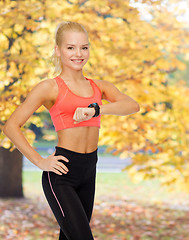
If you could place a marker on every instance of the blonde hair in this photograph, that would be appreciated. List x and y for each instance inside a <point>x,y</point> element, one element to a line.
<point>59,32</point>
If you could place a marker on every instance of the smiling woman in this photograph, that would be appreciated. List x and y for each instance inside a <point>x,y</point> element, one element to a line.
<point>70,43</point>
<point>75,105</point>
<point>73,49</point>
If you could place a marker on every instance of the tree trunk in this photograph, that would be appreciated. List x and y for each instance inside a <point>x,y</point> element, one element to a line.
<point>10,173</point>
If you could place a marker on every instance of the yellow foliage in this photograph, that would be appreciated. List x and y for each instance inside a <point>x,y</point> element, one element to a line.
<point>134,54</point>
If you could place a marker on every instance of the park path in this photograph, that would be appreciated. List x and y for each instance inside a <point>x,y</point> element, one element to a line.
<point>105,163</point>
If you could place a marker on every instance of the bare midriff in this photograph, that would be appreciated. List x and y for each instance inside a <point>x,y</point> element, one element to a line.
<point>79,139</point>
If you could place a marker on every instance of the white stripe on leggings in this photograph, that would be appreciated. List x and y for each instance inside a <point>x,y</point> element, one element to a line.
<point>55,195</point>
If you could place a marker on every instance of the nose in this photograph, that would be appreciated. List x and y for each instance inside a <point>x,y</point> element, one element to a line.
<point>78,52</point>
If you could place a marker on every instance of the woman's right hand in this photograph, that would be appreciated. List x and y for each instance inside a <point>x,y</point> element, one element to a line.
<point>52,164</point>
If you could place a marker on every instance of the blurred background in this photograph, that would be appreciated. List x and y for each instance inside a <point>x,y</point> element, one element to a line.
<point>143,169</point>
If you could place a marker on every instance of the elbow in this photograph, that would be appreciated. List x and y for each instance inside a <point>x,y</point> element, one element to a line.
<point>7,128</point>
<point>137,107</point>
<point>133,106</point>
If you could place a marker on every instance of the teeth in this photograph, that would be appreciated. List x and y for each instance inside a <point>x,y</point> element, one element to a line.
<point>77,60</point>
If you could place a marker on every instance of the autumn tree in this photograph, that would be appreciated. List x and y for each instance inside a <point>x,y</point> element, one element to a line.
<point>133,53</point>
<point>157,138</point>
<point>21,66</point>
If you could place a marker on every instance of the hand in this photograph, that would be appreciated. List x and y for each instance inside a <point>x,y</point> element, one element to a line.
<point>83,114</point>
<point>52,164</point>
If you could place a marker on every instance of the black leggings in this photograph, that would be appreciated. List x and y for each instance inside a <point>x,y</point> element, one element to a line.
<point>71,195</point>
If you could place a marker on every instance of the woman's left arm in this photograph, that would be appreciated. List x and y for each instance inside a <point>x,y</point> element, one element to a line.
<point>120,104</point>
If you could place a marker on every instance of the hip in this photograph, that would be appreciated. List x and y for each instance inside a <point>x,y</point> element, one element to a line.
<point>81,166</point>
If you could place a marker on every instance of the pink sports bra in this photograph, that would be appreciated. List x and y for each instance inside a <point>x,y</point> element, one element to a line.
<point>67,102</point>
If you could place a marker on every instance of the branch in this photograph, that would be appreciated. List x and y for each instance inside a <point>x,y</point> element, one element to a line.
<point>6,88</point>
<point>171,70</point>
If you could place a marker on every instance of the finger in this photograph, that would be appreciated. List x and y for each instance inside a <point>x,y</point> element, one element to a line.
<point>74,116</point>
<point>77,115</point>
<point>77,121</point>
<point>87,117</point>
<point>81,115</point>
<point>84,115</point>
<point>59,157</point>
<point>76,112</point>
<point>61,170</point>
<point>56,171</point>
<point>62,166</point>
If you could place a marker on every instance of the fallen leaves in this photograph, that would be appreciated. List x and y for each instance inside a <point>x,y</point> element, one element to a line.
<point>138,221</point>
<point>27,219</point>
<point>115,219</point>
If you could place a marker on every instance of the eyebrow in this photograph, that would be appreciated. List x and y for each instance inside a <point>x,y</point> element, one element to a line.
<point>74,45</point>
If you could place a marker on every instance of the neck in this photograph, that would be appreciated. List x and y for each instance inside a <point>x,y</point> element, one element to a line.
<point>73,76</point>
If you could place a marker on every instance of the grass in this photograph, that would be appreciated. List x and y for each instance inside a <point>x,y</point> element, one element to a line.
<point>32,183</point>
<point>119,212</point>
<point>112,186</point>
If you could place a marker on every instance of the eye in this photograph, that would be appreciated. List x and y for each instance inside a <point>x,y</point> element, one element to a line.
<point>85,48</point>
<point>70,47</point>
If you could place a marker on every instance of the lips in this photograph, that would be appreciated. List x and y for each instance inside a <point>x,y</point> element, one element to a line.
<point>77,60</point>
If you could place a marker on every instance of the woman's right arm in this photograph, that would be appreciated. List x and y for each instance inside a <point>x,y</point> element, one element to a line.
<point>40,94</point>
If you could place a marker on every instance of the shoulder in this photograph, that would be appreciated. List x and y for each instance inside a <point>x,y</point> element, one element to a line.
<point>45,85</point>
<point>109,91</point>
<point>45,89</point>
<point>103,84</point>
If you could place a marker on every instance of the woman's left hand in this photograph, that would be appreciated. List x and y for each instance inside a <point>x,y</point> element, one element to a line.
<point>83,114</point>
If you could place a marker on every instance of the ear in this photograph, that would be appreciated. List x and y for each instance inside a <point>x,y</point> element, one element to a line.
<point>57,51</point>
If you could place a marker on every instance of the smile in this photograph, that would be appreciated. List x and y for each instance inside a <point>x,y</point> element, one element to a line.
<point>77,60</point>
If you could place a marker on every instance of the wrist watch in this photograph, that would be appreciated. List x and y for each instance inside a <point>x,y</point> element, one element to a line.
<point>96,107</point>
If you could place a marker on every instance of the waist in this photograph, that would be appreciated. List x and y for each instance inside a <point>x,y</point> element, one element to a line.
<point>80,139</point>
<point>82,166</point>
<point>77,158</point>
<point>61,151</point>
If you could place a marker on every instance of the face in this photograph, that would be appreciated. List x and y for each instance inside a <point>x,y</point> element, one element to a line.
<point>74,51</point>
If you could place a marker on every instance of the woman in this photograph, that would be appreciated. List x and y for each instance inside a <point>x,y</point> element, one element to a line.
<point>74,103</point>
